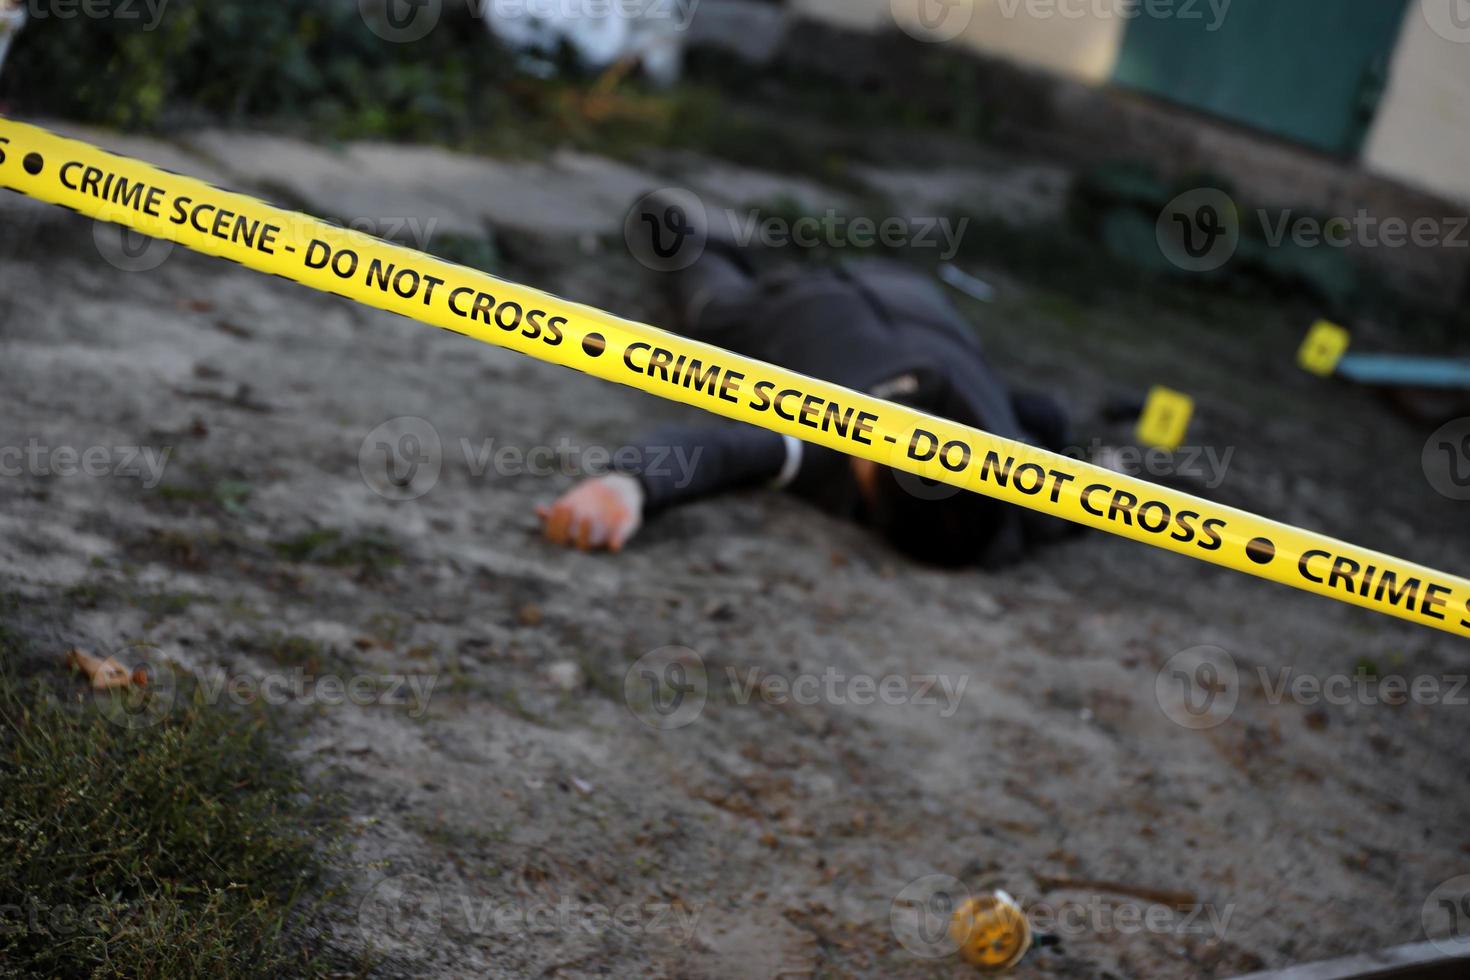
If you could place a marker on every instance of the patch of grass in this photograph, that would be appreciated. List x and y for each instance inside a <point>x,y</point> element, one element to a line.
<point>388,629</point>
<point>161,604</point>
<point>320,64</point>
<point>372,553</point>
<point>89,594</point>
<point>288,650</point>
<point>184,848</point>
<point>10,643</point>
<point>231,496</point>
<point>176,493</point>
<point>158,603</point>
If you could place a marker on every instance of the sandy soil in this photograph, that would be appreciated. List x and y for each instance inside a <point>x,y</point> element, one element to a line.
<point>525,819</point>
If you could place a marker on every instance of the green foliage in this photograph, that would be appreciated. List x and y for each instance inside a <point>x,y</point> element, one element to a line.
<point>374,553</point>
<point>314,61</point>
<point>184,848</point>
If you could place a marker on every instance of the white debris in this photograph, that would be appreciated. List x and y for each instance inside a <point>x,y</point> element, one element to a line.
<point>967,284</point>
<point>601,34</point>
<point>12,18</point>
<point>565,675</point>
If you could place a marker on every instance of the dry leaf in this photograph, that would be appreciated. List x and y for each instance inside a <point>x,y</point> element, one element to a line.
<point>103,674</point>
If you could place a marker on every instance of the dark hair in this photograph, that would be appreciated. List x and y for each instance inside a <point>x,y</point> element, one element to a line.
<point>934,523</point>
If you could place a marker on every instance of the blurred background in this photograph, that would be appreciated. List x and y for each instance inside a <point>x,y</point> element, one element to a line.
<point>1119,194</point>
<point>1127,103</point>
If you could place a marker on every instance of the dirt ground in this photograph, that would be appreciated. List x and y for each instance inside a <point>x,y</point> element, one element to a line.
<point>521,817</point>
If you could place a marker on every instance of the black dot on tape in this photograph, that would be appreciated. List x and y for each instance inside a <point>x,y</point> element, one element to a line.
<point>594,344</point>
<point>1261,550</point>
<point>34,163</point>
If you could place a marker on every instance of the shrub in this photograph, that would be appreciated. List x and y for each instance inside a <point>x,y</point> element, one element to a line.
<point>314,61</point>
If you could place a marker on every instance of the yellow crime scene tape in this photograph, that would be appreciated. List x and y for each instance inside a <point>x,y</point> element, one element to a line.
<point>389,277</point>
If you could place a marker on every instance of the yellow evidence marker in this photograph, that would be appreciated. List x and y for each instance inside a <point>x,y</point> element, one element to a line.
<point>1165,419</point>
<point>992,931</point>
<point>1322,350</point>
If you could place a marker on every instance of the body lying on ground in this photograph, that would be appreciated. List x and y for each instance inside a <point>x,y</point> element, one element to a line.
<point>874,326</point>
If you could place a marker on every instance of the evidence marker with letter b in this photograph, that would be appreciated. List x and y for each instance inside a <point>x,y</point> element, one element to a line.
<point>1165,419</point>
<point>1323,348</point>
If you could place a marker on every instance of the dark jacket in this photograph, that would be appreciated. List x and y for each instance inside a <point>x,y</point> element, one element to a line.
<point>875,327</point>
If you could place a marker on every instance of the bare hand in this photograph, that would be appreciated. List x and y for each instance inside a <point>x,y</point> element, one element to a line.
<point>603,512</point>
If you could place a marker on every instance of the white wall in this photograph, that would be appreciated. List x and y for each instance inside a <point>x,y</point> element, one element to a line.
<point>1422,133</point>
<point>1078,42</point>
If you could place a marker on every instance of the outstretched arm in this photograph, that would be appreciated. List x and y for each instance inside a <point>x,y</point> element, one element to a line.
<point>672,466</point>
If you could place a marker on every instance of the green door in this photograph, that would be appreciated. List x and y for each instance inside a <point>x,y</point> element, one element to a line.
<point>1303,69</point>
